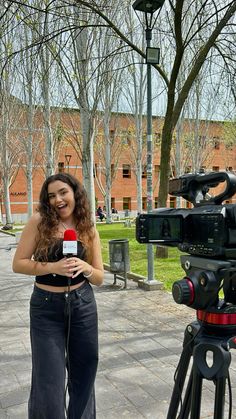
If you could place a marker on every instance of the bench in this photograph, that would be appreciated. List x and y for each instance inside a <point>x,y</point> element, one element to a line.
<point>115,217</point>
<point>129,222</point>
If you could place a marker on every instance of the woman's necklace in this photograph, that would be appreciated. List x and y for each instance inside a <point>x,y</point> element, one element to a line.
<point>65,226</point>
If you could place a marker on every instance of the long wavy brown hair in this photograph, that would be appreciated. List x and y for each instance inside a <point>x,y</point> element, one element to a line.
<point>48,226</point>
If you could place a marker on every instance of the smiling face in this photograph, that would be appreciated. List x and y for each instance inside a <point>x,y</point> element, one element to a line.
<point>61,198</point>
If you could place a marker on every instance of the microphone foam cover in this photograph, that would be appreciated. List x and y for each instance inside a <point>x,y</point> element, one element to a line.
<point>70,235</point>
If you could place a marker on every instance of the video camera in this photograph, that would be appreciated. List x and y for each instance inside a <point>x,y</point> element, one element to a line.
<point>207,232</point>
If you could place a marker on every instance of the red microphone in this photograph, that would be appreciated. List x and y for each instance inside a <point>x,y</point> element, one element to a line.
<point>69,243</point>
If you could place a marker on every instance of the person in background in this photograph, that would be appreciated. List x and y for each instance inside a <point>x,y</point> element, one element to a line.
<point>165,229</point>
<point>100,213</point>
<point>63,318</point>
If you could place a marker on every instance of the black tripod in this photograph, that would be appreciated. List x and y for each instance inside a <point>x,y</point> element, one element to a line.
<point>203,338</point>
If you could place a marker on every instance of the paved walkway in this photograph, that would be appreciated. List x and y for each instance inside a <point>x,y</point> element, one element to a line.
<point>141,335</point>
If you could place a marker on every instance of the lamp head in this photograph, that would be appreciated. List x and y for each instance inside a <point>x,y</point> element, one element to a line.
<point>147,6</point>
<point>68,157</point>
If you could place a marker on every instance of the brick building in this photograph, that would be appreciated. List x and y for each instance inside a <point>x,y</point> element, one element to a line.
<point>216,147</point>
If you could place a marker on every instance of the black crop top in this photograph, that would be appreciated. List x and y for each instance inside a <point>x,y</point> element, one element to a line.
<point>55,254</point>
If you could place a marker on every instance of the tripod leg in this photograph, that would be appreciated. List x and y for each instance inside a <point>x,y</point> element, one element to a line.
<point>217,372</point>
<point>179,383</point>
<point>220,398</point>
<point>196,395</point>
<point>182,369</point>
<point>185,409</point>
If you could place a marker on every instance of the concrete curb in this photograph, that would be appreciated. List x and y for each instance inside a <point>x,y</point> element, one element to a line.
<point>141,280</point>
<point>7,232</point>
<point>130,275</point>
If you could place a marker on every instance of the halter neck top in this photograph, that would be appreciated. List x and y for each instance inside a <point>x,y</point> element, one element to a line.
<point>55,253</point>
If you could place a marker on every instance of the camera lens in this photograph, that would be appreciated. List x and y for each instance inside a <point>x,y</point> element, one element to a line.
<point>183,291</point>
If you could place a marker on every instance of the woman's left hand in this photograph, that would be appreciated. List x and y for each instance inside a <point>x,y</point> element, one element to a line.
<point>78,266</point>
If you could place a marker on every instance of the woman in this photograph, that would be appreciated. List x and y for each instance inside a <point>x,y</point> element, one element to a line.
<point>165,229</point>
<point>63,319</point>
<point>100,213</point>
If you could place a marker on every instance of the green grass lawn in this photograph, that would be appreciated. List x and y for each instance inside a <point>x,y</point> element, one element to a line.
<point>166,270</point>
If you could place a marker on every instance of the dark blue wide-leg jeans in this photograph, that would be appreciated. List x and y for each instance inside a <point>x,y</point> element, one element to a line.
<point>49,322</point>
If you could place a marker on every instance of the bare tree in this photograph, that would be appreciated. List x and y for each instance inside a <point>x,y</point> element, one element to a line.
<point>229,134</point>
<point>192,145</point>
<point>181,24</point>
<point>27,65</point>
<point>209,19</point>
<point>75,56</point>
<point>9,148</point>
<point>110,148</point>
<point>46,24</point>
<point>134,92</point>
<point>10,111</point>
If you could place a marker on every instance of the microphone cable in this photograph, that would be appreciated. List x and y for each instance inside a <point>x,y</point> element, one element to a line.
<point>230,396</point>
<point>68,314</point>
<point>70,248</point>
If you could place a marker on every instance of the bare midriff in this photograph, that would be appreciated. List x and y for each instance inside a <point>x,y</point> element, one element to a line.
<point>58,289</point>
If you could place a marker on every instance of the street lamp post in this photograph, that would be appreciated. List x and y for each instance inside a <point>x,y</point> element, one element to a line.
<point>149,7</point>
<point>68,158</point>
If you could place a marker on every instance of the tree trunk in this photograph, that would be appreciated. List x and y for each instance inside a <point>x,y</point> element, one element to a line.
<point>7,202</point>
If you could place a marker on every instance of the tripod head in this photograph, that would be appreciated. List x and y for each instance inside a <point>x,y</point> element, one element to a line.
<point>200,288</point>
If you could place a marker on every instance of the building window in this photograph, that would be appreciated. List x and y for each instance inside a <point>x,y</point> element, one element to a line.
<point>215,168</point>
<point>156,170</point>
<point>61,166</point>
<point>156,202</point>
<point>202,140</point>
<point>127,203</point>
<point>112,134</point>
<point>126,171</point>
<point>216,143</point>
<point>229,145</point>
<point>188,204</point>
<point>157,138</point>
<point>112,171</point>
<point>126,138</point>
<point>229,169</point>
<point>172,202</point>
<point>144,172</point>
<point>144,203</point>
<point>113,203</point>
